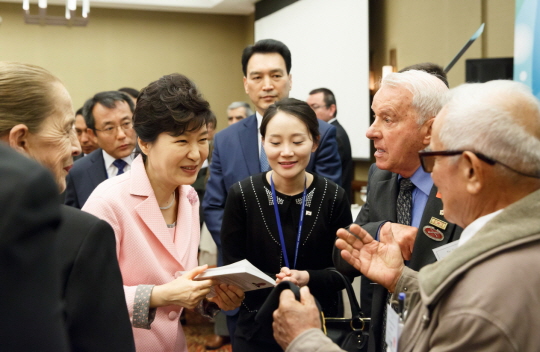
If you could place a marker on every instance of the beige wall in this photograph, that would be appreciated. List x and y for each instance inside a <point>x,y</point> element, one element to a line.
<point>132,48</point>
<point>435,30</point>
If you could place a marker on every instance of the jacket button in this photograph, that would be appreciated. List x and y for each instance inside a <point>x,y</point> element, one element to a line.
<point>425,319</point>
<point>173,315</point>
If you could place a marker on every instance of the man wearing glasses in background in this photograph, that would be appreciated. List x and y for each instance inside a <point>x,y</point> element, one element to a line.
<point>401,198</point>
<point>109,117</point>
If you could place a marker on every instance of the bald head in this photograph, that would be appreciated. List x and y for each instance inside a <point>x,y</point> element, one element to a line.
<point>500,119</point>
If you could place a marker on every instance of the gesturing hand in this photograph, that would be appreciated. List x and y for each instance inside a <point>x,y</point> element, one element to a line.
<point>380,262</point>
<point>404,236</point>
<point>182,291</point>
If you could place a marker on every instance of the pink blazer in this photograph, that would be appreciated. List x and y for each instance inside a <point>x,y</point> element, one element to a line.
<point>147,252</point>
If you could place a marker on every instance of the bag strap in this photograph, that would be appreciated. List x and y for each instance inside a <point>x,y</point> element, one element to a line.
<point>355,307</point>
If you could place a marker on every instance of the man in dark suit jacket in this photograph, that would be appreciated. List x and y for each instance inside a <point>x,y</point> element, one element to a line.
<point>109,118</point>
<point>30,298</point>
<point>405,107</point>
<point>237,149</point>
<point>323,102</point>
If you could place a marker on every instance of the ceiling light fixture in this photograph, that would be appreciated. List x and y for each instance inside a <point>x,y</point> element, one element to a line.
<point>70,18</point>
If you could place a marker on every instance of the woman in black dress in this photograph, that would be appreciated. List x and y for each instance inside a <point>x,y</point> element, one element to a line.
<point>284,221</point>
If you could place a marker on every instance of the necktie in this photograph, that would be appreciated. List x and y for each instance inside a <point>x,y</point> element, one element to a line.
<point>263,161</point>
<point>120,164</point>
<point>404,201</point>
<point>404,207</point>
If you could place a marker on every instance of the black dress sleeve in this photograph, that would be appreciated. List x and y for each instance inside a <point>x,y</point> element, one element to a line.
<point>233,227</point>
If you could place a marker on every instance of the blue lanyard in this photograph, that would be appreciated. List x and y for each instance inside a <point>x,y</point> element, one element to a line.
<point>280,230</point>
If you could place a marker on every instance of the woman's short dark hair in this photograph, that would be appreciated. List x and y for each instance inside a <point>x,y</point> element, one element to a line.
<point>299,109</point>
<point>173,105</point>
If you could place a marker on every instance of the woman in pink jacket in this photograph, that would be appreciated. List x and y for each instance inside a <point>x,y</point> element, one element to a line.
<point>155,214</point>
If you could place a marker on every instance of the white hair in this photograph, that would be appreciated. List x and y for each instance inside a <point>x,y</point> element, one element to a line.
<point>240,104</point>
<point>495,119</point>
<point>426,89</point>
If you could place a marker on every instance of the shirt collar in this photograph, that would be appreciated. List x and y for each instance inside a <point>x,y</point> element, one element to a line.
<point>475,226</point>
<point>421,180</point>
<point>108,159</point>
<point>259,120</point>
<point>332,120</point>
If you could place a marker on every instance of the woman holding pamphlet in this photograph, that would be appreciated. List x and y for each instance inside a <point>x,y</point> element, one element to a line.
<point>284,221</point>
<point>155,214</point>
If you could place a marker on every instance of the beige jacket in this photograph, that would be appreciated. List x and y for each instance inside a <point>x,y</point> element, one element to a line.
<point>484,296</point>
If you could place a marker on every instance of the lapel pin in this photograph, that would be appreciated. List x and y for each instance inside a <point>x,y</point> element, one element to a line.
<point>441,213</point>
<point>433,233</point>
<point>308,212</point>
<point>438,223</point>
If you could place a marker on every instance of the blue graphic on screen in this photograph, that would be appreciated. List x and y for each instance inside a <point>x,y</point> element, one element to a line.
<point>527,44</point>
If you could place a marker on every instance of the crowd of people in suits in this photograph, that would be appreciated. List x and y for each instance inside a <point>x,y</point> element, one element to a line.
<point>456,170</point>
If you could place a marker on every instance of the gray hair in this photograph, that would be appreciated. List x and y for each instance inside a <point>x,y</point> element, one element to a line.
<point>241,104</point>
<point>495,119</point>
<point>427,91</point>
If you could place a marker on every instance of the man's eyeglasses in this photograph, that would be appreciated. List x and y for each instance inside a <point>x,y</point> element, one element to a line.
<point>427,158</point>
<point>112,130</point>
<point>316,107</point>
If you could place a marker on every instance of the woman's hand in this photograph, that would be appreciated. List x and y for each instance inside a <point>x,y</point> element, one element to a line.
<point>298,277</point>
<point>228,297</point>
<point>182,291</point>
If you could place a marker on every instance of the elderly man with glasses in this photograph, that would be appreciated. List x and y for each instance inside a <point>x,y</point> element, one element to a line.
<point>484,156</point>
<point>109,118</point>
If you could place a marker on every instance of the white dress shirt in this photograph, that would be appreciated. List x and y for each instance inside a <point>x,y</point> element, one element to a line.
<point>109,166</point>
<point>475,226</point>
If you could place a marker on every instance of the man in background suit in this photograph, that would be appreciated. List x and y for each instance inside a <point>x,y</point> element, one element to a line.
<point>237,149</point>
<point>88,143</point>
<point>238,111</point>
<point>30,298</point>
<point>405,107</point>
<point>323,102</point>
<point>109,117</point>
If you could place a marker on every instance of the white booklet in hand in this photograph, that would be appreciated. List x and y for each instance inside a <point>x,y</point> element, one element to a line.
<point>242,274</point>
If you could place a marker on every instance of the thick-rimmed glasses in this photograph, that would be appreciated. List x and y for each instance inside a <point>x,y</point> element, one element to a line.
<point>427,158</point>
<point>112,130</point>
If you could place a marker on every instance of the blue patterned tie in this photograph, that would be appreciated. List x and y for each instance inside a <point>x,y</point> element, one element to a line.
<point>263,161</point>
<point>120,164</point>
<point>403,215</point>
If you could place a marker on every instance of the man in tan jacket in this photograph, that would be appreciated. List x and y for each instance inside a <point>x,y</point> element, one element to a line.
<point>485,159</point>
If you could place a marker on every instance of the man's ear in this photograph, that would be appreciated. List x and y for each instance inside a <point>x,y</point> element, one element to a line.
<point>427,129</point>
<point>290,82</point>
<point>473,172</point>
<point>332,109</point>
<point>245,85</point>
<point>18,138</point>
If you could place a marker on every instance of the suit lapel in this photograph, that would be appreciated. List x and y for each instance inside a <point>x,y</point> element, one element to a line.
<point>249,142</point>
<point>424,245</point>
<point>97,173</point>
<point>386,193</point>
<point>148,209</point>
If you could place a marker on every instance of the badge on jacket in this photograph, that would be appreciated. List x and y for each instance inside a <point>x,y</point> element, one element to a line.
<point>433,233</point>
